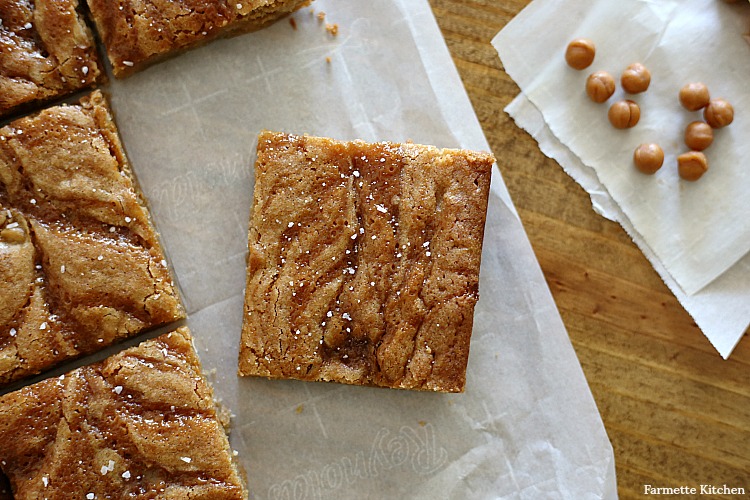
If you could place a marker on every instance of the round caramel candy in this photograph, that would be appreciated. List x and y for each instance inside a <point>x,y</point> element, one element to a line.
<point>600,86</point>
<point>580,53</point>
<point>698,136</point>
<point>692,165</point>
<point>648,158</point>
<point>624,114</point>
<point>719,113</point>
<point>694,96</point>
<point>635,79</point>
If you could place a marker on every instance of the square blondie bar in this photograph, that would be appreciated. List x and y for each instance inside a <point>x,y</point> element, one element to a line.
<point>46,52</point>
<point>140,424</point>
<point>363,264</point>
<point>81,266</point>
<point>137,34</point>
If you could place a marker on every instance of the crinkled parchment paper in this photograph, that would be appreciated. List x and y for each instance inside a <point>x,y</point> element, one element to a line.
<point>698,230</point>
<point>526,427</point>
<point>696,235</point>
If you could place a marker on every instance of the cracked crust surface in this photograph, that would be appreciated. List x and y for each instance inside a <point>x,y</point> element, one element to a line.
<point>46,52</point>
<point>80,263</point>
<point>363,262</point>
<point>137,33</point>
<point>141,424</point>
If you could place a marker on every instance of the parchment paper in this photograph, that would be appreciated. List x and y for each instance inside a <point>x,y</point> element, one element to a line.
<point>697,230</point>
<point>526,427</point>
<point>722,307</point>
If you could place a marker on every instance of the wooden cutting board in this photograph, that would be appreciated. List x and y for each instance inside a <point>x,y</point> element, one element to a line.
<point>677,413</point>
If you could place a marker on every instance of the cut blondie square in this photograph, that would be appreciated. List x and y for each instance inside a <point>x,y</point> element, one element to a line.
<point>363,264</point>
<point>46,52</point>
<point>81,266</point>
<point>140,424</point>
<point>137,33</point>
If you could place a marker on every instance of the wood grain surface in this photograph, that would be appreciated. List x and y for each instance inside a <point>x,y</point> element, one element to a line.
<point>676,413</point>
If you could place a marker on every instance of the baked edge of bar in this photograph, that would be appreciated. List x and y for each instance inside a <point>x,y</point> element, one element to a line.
<point>97,106</point>
<point>487,161</point>
<point>98,73</point>
<point>234,28</point>
<point>217,413</point>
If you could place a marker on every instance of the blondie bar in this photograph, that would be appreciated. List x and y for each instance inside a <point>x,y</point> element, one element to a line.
<point>363,263</point>
<point>140,424</point>
<point>80,262</point>
<point>137,33</point>
<point>46,52</point>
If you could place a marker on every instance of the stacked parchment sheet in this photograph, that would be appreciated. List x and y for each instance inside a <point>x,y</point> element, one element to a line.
<point>526,427</point>
<point>696,235</point>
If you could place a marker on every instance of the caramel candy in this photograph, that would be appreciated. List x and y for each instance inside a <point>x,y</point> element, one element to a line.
<point>694,96</point>
<point>719,113</point>
<point>624,114</point>
<point>600,86</point>
<point>692,165</point>
<point>648,158</point>
<point>635,79</point>
<point>580,53</point>
<point>698,136</point>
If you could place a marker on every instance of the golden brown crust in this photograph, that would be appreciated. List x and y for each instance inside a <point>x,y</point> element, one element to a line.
<point>363,262</point>
<point>141,422</point>
<point>139,33</point>
<point>46,52</point>
<point>82,265</point>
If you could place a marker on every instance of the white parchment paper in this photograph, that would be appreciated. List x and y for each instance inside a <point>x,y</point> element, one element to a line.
<point>526,427</point>
<point>697,230</point>
<point>722,307</point>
